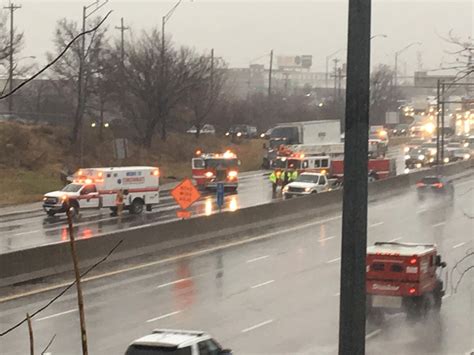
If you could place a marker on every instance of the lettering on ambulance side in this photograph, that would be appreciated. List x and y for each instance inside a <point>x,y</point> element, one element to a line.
<point>134,180</point>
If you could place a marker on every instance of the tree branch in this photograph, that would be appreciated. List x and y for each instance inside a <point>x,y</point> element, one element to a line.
<point>56,59</point>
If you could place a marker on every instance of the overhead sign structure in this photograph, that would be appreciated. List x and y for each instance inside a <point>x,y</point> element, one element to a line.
<point>185,194</point>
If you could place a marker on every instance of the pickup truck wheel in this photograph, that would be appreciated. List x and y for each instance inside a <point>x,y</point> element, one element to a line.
<point>137,206</point>
<point>314,192</point>
<point>74,209</point>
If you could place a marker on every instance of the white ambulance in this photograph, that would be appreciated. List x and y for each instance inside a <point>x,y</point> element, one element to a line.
<point>98,187</point>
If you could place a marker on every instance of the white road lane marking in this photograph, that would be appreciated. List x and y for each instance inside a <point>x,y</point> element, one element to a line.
<point>25,233</point>
<point>173,258</point>
<point>459,245</point>
<point>174,282</point>
<point>333,260</point>
<point>257,259</point>
<point>439,224</point>
<point>256,326</point>
<point>56,315</point>
<point>395,240</point>
<point>327,238</point>
<point>163,316</point>
<point>263,284</point>
<point>375,224</point>
<point>372,334</point>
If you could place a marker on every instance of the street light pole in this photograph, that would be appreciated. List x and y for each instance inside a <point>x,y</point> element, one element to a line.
<point>395,74</point>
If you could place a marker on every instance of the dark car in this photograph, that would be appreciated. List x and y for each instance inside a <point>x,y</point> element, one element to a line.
<point>435,186</point>
<point>417,158</point>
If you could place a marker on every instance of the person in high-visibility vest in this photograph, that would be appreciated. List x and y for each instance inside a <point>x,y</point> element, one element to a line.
<point>119,202</point>
<point>274,181</point>
<point>294,175</point>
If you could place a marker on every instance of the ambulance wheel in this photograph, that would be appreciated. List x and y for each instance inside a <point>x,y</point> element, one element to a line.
<point>137,206</point>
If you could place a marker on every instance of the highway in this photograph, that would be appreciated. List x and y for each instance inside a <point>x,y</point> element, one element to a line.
<point>276,293</point>
<point>32,229</point>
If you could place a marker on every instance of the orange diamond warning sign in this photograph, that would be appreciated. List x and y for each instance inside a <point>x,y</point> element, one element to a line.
<point>185,194</point>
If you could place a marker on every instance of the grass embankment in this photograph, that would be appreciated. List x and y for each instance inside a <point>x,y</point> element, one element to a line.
<point>33,156</point>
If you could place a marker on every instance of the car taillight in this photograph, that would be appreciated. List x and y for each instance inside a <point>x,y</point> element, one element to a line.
<point>420,184</point>
<point>413,261</point>
<point>412,290</point>
<point>438,185</point>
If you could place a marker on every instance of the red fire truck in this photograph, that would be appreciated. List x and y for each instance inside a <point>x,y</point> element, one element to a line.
<point>333,167</point>
<point>402,277</point>
<point>210,168</point>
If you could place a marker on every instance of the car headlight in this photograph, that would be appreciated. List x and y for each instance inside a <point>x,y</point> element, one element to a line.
<point>407,157</point>
<point>227,134</point>
<point>406,149</point>
<point>403,131</point>
<point>466,145</point>
<point>209,174</point>
<point>232,174</point>
<point>446,160</point>
<point>431,160</point>
<point>45,198</point>
<point>307,189</point>
<point>285,189</point>
<point>467,156</point>
<point>239,134</point>
<point>421,157</point>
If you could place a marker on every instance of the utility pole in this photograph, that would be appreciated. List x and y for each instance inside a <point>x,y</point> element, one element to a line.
<point>354,214</point>
<point>12,7</point>
<point>122,29</point>
<point>442,122</point>
<point>270,74</point>
<point>335,60</point>
<point>438,109</point>
<point>212,68</point>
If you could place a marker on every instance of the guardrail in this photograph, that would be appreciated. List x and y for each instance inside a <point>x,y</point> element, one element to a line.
<point>47,260</point>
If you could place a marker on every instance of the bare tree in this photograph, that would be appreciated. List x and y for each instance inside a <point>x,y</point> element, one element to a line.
<point>154,83</point>
<point>463,53</point>
<point>383,96</point>
<point>5,46</point>
<point>205,93</point>
<point>67,69</point>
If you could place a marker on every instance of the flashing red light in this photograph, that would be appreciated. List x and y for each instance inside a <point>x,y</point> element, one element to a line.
<point>413,261</point>
<point>198,152</point>
<point>412,290</point>
<point>156,172</point>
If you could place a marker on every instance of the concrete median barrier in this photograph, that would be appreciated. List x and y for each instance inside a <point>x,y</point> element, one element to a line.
<point>47,260</point>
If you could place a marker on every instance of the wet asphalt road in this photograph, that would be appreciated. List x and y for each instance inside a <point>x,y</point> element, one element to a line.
<point>275,295</point>
<point>33,229</point>
<point>29,230</point>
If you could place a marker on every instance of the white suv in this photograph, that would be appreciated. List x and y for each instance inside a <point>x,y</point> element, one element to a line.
<point>306,184</point>
<point>176,342</point>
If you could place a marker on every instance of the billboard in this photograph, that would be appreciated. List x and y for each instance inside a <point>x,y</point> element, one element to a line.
<point>294,62</point>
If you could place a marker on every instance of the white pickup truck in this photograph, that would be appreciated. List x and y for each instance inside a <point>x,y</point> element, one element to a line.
<point>306,184</point>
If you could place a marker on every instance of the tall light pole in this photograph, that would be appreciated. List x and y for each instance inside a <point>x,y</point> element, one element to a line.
<point>397,53</point>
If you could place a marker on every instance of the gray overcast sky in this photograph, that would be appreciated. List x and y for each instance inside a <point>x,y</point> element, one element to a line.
<point>240,31</point>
